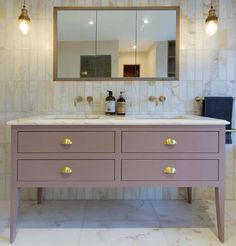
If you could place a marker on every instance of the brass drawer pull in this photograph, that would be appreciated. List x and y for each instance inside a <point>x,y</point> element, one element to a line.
<point>66,141</point>
<point>65,170</point>
<point>169,170</point>
<point>170,141</point>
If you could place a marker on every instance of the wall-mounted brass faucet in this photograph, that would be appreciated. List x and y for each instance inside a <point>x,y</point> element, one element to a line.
<point>161,99</point>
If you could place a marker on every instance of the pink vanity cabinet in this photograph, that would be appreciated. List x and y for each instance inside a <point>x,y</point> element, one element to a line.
<point>118,156</point>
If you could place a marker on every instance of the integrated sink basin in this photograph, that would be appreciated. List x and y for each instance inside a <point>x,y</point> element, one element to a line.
<point>70,117</point>
<point>117,120</point>
<point>109,118</point>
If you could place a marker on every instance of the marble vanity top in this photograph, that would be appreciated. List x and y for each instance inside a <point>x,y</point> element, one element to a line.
<point>117,120</point>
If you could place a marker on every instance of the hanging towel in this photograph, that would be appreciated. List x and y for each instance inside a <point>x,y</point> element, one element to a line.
<point>219,108</point>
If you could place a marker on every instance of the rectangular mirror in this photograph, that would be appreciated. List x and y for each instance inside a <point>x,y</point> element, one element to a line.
<point>116,43</point>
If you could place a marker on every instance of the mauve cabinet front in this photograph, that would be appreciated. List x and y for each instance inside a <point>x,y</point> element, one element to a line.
<point>118,156</point>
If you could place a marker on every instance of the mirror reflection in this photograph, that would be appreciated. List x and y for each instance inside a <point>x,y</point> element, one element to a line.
<point>156,45</point>
<point>107,44</point>
<point>76,43</point>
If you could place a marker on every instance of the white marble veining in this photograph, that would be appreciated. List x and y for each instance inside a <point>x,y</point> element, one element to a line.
<point>207,68</point>
<point>117,120</point>
<point>118,223</point>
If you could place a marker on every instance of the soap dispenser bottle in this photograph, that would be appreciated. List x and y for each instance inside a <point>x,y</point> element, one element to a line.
<point>110,107</point>
<point>121,105</point>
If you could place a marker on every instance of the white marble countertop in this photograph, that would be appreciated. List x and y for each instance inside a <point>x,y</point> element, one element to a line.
<point>117,120</point>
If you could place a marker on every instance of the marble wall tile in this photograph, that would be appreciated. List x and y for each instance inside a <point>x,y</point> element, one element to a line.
<point>207,67</point>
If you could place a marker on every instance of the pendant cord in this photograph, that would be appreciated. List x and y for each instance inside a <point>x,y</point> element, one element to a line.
<point>136,34</point>
<point>24,4</point>
<point>212,4</point>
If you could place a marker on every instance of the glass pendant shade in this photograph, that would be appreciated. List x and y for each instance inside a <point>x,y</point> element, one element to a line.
<point>211,22</point>
<point>24,21</point>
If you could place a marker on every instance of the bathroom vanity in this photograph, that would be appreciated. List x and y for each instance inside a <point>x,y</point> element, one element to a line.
<point>76,151</point>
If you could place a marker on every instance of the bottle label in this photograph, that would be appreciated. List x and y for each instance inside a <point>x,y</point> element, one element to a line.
<point>120,107</point>
<point>110,106</point>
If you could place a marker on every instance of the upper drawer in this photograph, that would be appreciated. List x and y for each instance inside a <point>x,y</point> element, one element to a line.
<point>136,142</point>
<point>51,142</point>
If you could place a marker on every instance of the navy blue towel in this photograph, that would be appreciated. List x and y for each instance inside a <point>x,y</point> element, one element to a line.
<point>219,108</point>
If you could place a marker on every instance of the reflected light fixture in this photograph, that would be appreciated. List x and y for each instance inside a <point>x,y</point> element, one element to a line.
<point>211,21</point>
<point>145,21</point>
<point>91,22</point>
<point>24,21</point>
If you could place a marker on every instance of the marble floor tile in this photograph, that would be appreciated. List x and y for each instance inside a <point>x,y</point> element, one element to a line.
<point>230,207</point>
<point>60,211</point>
<point>123,234</point>
<point>120,211</point>
<point>118,223</point>
<point>191,237</point>
<point>42,237</point>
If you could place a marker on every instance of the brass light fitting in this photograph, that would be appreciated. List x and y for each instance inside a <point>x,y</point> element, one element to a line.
<point>24,20</point>
<point>211,21</point>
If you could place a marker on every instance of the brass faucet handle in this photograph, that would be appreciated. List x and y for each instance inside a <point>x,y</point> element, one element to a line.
<point>78,99</point>
<point>162,99</point>
<point>89,99</point>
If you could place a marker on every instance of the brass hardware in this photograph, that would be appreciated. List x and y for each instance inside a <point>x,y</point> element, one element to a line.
<point>89,99</point>
<point>152,98</point>
<point>231,130</point>
<point>199,99</point>
<point>84,73</point>
<point>162,99</point>
<point>65,170</point>
<point>169,170</point>
<point>170,141</point>
<point>78,99</point>
<point>66,141</point>
<point>157,99</point>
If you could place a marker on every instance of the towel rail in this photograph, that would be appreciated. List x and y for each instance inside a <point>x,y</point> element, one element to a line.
<point>231,130</point>
<point>199,99</point>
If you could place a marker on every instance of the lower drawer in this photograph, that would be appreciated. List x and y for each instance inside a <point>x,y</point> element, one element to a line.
<point>66,170</point>
<point>153,170</point>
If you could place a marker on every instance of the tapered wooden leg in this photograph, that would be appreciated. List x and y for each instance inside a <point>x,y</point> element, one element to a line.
<point>219,196</point>
<point>39,195</point>
<point>14,212</point>
<point>189,194</point>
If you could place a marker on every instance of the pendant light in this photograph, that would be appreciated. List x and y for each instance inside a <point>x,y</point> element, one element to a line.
<point>24,21</point>
<point>211,21</point>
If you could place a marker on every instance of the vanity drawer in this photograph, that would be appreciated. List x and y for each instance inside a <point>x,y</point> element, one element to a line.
<point>154,141</point>
<point>185,170</point>
<point>66,170</point>
<point>77,141</point>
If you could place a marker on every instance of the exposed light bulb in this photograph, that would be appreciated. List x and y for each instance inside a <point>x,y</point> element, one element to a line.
<point>211,27</point>
<point>134,47</point>
<point>24,26</point>
<point>24,21</point>
<point>145,21</point>
<point>91,22</point>
<point>211,21</point>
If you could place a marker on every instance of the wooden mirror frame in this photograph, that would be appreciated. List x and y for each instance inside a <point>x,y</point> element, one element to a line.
<point>55,62</point>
